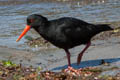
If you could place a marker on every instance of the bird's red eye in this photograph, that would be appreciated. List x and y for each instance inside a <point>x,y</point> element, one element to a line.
<point>31,20</point>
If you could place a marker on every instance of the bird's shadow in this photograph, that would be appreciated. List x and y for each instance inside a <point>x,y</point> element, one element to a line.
<point>89,63</point>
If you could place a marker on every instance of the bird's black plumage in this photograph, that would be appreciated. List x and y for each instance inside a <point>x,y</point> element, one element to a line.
<point>66,32</point>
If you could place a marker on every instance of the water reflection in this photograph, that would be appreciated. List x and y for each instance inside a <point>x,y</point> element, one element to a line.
<point>83,2</point>
<point>73,2</point>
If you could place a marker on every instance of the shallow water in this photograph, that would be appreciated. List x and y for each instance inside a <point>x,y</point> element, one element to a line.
<point>13,14</point>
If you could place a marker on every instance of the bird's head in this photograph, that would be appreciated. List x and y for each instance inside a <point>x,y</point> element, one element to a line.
<point>33,21</point>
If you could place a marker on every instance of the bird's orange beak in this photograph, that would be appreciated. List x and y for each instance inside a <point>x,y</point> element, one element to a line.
<point>27,28</point>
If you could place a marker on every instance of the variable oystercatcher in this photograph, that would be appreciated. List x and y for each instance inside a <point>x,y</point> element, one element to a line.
<point>65,32</point>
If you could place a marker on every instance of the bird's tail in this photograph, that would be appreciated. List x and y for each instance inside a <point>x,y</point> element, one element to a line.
<point>104,27</point>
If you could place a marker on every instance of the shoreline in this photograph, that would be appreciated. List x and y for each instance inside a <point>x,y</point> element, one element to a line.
<point>56,59</point>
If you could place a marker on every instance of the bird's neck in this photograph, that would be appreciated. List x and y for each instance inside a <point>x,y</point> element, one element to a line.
<point>42,29</point>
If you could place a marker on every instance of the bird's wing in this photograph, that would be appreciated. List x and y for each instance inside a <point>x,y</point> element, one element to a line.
<point>76,31</point>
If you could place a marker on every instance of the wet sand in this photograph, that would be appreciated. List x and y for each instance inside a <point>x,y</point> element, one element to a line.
<point>56,59</point>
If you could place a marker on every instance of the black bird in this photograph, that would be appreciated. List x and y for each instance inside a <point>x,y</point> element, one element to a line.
<point>65,32</point>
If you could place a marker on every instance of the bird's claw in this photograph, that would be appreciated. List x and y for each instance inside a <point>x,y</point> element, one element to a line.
<point>71,70</point>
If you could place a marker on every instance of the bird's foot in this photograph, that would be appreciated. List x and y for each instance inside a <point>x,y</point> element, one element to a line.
<point>71,70</point>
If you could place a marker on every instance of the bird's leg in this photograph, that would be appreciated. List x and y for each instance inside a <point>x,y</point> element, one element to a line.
<point>81,54</point>
<point>68,57</point>
<point>69,69</point>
